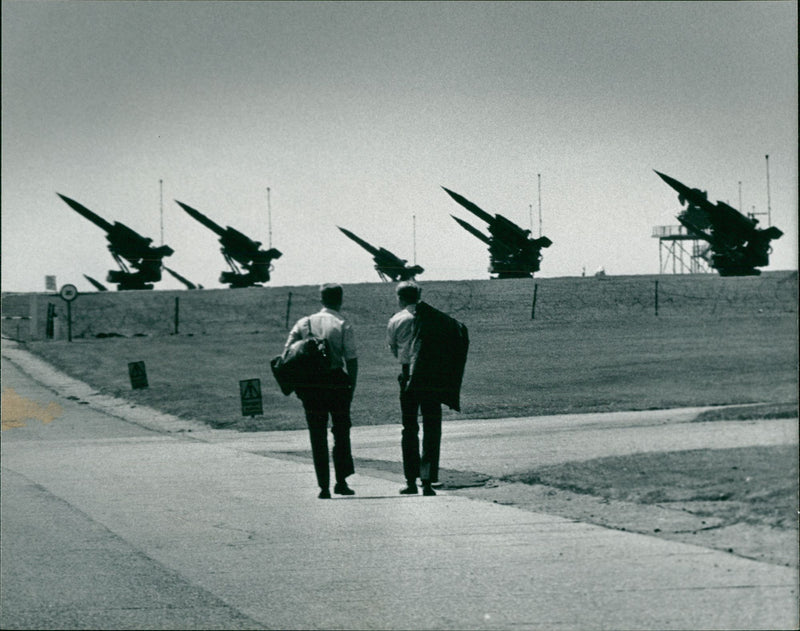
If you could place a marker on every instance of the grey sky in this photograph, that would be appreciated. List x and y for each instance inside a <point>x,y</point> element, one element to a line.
<point>355,113</point>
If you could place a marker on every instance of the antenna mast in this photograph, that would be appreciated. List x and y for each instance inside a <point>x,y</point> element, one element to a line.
<point>269,217</point>
<point>540,203</point>
<point>414,223</point>
<point>740,194</point>
<point>161,206</point>
<point>769,208</point>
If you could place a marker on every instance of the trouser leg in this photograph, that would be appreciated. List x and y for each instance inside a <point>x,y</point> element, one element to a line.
<point>431,440</point>
<point>340,428</point>
<point>317,421</point>
<point>410,437</point>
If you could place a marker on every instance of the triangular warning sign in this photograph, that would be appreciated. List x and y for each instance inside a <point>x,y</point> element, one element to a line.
<point>250,392</point>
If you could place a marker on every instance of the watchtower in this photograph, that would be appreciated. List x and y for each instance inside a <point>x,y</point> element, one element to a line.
<point>680,250</point>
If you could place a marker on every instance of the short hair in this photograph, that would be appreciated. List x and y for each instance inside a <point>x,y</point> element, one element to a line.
<point>409,292</point>
<point>331,294</point>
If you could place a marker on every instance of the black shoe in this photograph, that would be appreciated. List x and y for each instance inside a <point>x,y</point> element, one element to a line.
<point>437,485</point>
<point>427,490</point>
<point>410,489</point>
<point>324,494</point>
<point>341,488</point>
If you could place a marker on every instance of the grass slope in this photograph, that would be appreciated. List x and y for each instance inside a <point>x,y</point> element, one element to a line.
<point>593,346</point>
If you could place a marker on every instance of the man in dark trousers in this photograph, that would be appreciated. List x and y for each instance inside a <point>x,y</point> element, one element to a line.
<point>432,350</point>
<point>333,394</point>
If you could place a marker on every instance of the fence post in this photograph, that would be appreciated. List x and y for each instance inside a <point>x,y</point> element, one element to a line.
<point>656,297</point>
<point>177,312</point>
<point>533,306</point>
<point>288,308</point>
<point>34,330</point>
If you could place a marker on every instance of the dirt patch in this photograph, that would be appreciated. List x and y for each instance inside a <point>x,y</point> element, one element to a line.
<point>753,485</point>
<point>743,500</point>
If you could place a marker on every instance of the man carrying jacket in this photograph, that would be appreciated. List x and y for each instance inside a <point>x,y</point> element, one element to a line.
<point>333,394</point>
<point>432,350</point>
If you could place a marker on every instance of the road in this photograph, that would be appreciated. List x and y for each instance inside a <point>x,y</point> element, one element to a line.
<point>119,517</point>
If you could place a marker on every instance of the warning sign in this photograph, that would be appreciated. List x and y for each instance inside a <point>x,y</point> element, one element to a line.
<point>138,375</point>
<point>250,391</point>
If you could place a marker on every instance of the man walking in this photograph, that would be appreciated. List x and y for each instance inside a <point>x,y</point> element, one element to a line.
<point>333,394</point>
<point>432,350</point>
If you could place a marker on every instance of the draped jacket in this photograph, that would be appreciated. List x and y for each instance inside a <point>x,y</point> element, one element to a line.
<point>438,369</point>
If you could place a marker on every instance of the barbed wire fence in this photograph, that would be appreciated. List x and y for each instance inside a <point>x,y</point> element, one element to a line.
<point>209,312</point>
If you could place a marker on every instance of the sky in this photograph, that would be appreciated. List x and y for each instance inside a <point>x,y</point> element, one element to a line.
<point>285,120</point>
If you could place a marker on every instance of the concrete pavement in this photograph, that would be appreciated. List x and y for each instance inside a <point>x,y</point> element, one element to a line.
<point>119,517</point>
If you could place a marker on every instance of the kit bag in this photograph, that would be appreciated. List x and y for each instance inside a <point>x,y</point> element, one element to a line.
<point>304,364</point>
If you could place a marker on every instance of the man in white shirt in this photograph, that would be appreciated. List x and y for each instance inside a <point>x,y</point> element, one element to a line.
<point>405,347</point>
<point>334,395</point>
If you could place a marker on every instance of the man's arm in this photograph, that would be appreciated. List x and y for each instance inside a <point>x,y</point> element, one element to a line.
<point>391,340</point>
<point>294,335</point>
<point>352,372</point>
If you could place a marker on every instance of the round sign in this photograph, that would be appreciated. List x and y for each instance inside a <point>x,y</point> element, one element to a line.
<point>69,292</point>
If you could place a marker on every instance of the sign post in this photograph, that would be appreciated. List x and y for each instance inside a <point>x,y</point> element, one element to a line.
<point>69,293</point>
<point>50,330</point>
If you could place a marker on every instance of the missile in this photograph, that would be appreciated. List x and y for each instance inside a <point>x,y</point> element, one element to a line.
<point>97,284</point>
<point>196,214</point>
<point>678,186</point>
<point>82,210</point>
<point>369,248</point>
<point>123,240</point>
<point>473,230</point>
<point>694,196</point>
<point>475,210</point>
<point>737,246</point>
<point>189,284</point>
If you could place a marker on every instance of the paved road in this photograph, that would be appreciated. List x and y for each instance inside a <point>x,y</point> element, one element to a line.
<point>118,517</point>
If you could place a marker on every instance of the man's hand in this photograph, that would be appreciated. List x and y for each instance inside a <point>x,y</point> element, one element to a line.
<point>352,373</point>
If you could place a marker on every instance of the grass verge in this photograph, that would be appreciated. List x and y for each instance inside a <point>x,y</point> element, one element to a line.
<point>513,370</point>
<point>751,485</point>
